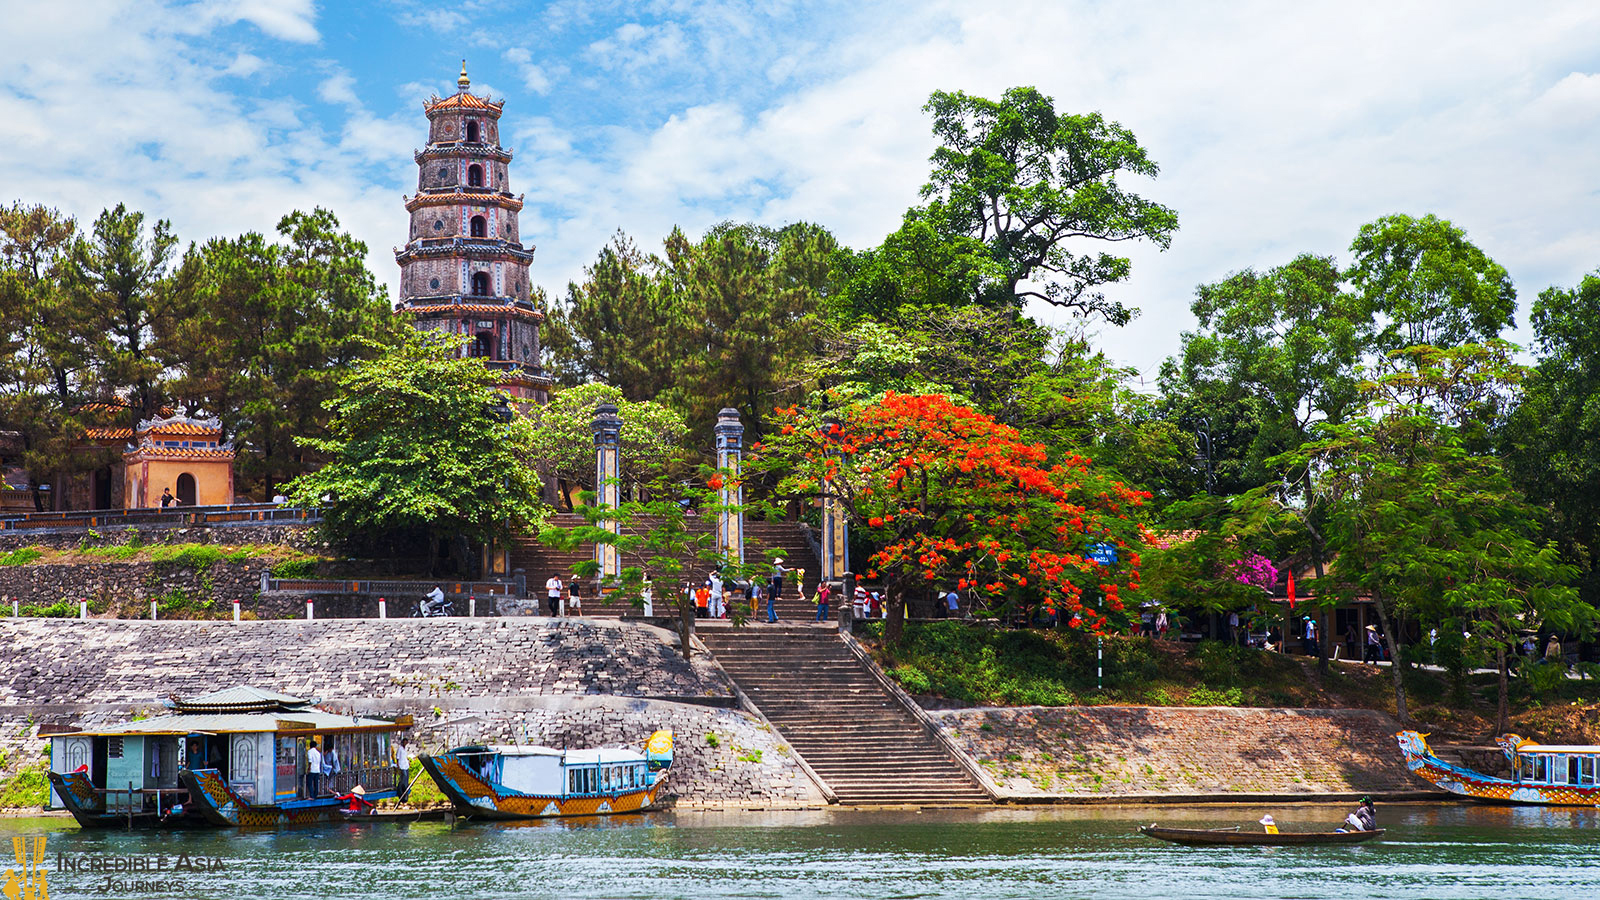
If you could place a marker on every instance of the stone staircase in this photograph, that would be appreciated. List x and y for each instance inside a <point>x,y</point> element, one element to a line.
<point>539,560</point>
<point>867,747</point>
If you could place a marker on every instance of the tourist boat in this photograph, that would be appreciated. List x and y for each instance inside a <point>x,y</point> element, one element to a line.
<point>514,782</point>
<point>1200,837</point>
<point>1541,774</point>
<point>232,757</point>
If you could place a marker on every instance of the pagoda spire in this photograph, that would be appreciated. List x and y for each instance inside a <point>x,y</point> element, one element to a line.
<point>463,82</point>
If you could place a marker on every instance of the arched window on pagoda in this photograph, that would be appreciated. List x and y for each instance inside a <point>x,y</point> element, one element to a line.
<point>480,284</point>
<point>474,176</point>
<point>472,132</point>
<point>483,345</point>
<point>479,227</point>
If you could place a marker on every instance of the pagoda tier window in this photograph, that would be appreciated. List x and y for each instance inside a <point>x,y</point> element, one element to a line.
<point>475,176</point>
<point>480,284</point>
<point>472,132</point>
<point>483,345</point>
<point>480,227</point>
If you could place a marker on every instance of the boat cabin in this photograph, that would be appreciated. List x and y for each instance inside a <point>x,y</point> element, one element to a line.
<point>1556,764</point>
<point>547,772</point>
<point>255,740</point>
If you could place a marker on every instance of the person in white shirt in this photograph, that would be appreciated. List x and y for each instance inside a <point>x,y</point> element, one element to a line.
<point>313,770</point>
<point>553,588</point>
<point>717,608</point>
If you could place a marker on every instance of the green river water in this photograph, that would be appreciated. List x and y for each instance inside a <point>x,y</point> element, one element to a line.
<point>1430,851</point>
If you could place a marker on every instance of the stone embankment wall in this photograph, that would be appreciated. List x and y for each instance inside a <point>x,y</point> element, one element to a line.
<point>298,536</point>
<point>1045,753</point>
<point>112,586</point>
<point>556,682</point>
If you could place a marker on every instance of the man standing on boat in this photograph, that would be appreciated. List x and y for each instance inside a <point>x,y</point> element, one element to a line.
<point>313,770</point>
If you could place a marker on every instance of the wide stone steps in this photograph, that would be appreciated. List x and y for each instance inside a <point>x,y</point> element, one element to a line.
<point>835,714</point>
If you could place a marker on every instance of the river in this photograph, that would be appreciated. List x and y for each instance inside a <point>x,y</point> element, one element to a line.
<point>1430,852</point>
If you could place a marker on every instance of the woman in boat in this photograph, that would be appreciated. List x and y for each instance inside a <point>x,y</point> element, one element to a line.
<point>359,805</point>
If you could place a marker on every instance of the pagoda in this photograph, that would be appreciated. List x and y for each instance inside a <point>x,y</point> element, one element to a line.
<point>464,269</point>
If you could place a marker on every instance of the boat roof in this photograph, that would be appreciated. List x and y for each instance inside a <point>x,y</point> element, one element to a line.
<point>240,723</point>
<point>243,698</point>
<point>568,757</point>
<point>1558,748</point>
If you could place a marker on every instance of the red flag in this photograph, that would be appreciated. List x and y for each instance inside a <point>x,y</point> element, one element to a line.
<point>1291,589</point>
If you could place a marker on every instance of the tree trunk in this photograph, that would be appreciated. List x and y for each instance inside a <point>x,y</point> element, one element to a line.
<point>1400,713</point>
<point>1324,635</point>
<point>1502,706</point>
<point>895,628</point>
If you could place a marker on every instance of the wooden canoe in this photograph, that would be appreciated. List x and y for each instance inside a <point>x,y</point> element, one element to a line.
<point>1198,837</point>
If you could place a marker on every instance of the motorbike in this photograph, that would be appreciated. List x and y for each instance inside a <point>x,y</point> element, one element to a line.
<point>423,611</point>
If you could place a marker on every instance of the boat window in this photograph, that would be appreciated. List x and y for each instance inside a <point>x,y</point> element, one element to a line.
<point>1524,768</point>
<point>1541,768</point>
<point>1586,770</point>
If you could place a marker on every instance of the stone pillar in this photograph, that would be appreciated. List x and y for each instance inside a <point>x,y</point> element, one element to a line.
<point>730,518</point>
<point>835,531</point>
<point>607,428</point>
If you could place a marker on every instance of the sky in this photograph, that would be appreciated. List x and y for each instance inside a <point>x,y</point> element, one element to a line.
<point>1280,128</point>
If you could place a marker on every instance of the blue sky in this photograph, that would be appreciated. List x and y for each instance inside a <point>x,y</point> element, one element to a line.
<point>1280,128</point>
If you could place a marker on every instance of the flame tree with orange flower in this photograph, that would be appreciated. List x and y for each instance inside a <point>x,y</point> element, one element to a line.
<point>950,498</point>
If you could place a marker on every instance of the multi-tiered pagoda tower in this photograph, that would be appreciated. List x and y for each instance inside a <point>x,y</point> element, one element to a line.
<point>464,269</point>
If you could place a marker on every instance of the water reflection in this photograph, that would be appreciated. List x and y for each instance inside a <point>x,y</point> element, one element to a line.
<point>1430,851</point>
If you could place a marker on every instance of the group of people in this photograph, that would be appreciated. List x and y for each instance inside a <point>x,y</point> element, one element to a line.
<point>562,598</point>
<point>1365,818</point>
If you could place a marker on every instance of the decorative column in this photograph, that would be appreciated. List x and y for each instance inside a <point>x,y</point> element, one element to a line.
<point>607,428</point>
<point>730,518</point>
<point>835,528</point>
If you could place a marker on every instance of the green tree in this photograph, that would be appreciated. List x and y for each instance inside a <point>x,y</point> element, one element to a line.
<point>43,351</point>
<point>266,330</point>
<point>1429,284</point>
<point>119,275</point>
<point>1552,439</point>
<point>719,322</point>
<point>652,437</point>
<point>1423,523</point>
<point>1030,184</point>
<point>416,445</point>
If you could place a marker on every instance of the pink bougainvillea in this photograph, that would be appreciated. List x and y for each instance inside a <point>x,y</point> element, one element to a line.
<point>1256,570</point>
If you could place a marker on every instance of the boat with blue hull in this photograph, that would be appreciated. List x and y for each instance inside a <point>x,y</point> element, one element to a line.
<point>524,782</point>
<point>1541,774</point>
<point>236,757</point>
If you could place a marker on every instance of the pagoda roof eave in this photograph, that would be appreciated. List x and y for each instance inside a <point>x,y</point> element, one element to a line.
<point>465,198</point>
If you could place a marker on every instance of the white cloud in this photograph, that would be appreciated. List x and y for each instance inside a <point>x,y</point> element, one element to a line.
<point>634,47</point>
<point>534,76</point>
<point>289,20</point>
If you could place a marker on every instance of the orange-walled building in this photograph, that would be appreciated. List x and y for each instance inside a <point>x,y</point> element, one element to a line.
<point>185,456</point>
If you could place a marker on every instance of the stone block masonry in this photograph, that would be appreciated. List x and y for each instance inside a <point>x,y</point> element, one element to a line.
<point>298,536</point>
<point>1062,753</point>
<point>130,586</point>
<point>119,663</point>
<point>554,682</point>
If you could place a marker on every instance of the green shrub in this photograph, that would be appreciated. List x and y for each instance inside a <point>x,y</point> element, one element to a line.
<point>21,556</point>
<point>28,789</point>
<point>1204,696</point>
<point>911,678</point>
<point>1541,679</point>
<point>294,568</point>
<point>1158,697</point>
<point>187,556</point>
<point>61,609</point>
<point>712,740</point>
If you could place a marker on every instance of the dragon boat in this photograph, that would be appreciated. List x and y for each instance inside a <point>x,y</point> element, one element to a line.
<point>1541,774</point>
<point>524,782</point>
<point>235,757</point>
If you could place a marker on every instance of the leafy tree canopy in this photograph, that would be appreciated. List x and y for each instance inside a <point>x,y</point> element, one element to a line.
<point>415,444</point>
<point>563,440</point>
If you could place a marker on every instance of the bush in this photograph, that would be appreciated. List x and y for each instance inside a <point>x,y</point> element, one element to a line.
<point>29,788</point>
<point>21,556</point>
<point>911,678</point>
<point>61,609</point>
<point>294,568</point>
<point>1204,696</point>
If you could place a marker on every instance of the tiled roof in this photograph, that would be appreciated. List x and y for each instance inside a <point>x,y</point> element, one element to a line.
<point>463,100</point>
<point>438,308</point>
<point>108,434</point>
<point>464,198</point>
<point>180,453</point>
<point>181,428</point>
